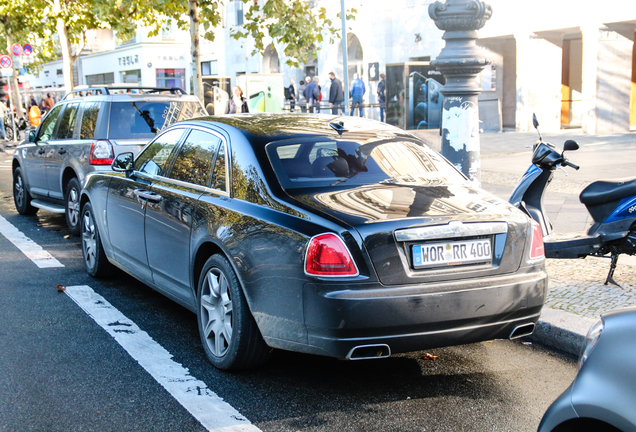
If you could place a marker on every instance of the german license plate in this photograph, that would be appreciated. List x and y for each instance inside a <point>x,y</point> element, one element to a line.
<point>452,253</point>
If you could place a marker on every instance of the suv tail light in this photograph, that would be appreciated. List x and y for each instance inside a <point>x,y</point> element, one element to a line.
<point>101,153</point>
<point>327,255</point>
<point>536,247</point>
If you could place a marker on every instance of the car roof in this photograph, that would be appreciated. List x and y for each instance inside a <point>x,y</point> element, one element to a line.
<point>273,127</point>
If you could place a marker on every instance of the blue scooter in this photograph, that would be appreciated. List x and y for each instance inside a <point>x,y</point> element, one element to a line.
<point>611,203</point>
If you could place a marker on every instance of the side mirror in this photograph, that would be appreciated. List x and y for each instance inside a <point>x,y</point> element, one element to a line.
<point>32,136</point>
<point>570,145</point>
<point>124,162</point>
<point>535,122</point>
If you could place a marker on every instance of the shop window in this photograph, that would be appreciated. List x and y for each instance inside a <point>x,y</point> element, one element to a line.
<point>130,77</point>
<point>210,68</point>
<point>239,12</point>
<point>171,78</point>
<point>107,78</point>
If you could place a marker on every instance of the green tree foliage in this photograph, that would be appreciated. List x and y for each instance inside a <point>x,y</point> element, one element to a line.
<point>293,23</point>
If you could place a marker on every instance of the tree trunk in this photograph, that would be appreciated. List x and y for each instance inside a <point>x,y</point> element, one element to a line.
<point>197,82</point>
<point>67,58</point>
<point>17,100</point>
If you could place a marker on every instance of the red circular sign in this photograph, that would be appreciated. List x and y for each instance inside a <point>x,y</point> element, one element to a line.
<point>27,49</point>
<point>17,49</point>
<point>5,61</point>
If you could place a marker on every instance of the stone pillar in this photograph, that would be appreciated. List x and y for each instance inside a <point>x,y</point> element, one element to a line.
<point>461,61</point>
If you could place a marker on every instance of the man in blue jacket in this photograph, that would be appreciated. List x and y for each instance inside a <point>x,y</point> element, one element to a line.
<point>312,94</point>
<point>357,93</point>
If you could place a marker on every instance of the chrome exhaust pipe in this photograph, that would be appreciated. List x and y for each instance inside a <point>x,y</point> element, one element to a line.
<point>521,331</point>
<point>367,352</point>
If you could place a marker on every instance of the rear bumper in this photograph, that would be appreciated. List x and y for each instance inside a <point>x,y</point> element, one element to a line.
<point>411,318</point>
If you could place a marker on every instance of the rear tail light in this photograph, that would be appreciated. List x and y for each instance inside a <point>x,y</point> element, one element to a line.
<point>536,247</point>
<point>101,153</point>
<point>327,255</point>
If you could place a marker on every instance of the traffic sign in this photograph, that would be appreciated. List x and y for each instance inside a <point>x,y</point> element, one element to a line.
<point>5,62</point>
<point>17,49</point>
<point>27,49</point>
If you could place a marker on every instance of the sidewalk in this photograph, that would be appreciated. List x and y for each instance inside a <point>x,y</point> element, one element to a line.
<point>576,293</point>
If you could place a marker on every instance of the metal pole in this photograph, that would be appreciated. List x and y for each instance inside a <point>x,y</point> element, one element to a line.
<point>15,130</point>
<point>345,73</point>
<point>461,61</point>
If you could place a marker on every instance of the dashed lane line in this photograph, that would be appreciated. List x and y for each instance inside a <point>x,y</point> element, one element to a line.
<point>206,406</point>
<point>32,250</point>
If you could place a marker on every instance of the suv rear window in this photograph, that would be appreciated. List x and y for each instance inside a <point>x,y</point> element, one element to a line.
<point>328,162</point>
<point>143,119</point>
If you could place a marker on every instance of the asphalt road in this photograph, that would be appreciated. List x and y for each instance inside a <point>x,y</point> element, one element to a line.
<point>61,371</point>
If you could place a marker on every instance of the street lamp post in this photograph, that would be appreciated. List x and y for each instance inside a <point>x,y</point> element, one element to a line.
<point>461,62</point>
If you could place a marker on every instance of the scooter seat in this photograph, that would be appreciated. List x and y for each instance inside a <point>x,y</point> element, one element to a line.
<point>604,191</point>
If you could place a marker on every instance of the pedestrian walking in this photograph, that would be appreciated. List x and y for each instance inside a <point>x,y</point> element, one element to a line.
<point>237,103</point>
<point>34,114</point>
<point>382,95</point>
<point>292,94</point>
<point>3,113</point>
<point>357,94</point>
<point>319,99</point>
<point>336,94</point>
<point>311,94</point>
<point>49,102</point>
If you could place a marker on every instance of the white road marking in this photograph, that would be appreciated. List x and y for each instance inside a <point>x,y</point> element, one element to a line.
<point>194,395</point>
<point>32,250</point>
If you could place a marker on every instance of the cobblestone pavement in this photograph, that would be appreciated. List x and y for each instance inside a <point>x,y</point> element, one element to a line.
<point>576,286</point>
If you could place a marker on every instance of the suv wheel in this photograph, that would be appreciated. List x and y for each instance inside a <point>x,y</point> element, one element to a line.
<point>72,200</point>
<point>21,196</point>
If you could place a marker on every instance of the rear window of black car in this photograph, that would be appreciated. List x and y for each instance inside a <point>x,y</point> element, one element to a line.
<point>144,119</point>
<point>329,162</point>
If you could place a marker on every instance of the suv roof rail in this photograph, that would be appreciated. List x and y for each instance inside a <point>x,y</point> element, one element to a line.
<point>91,90</point>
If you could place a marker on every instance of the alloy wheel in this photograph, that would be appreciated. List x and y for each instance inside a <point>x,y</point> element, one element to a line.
<point>89,242</point>
<point>19,191</point>
<point>73,207</point>
<point>216,312</point>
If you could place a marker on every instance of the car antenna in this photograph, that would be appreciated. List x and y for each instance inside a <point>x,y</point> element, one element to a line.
<point>338,127</point>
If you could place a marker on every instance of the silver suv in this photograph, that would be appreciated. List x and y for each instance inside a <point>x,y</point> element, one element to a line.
<point>83,133</point>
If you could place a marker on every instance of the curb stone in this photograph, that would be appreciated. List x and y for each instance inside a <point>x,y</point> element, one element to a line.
<point>562,330</point>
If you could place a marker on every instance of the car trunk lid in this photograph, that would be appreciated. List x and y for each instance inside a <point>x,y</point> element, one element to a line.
<point>416,234</point>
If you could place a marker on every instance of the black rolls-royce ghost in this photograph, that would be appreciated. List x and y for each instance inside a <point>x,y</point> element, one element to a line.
<point>335,236</point>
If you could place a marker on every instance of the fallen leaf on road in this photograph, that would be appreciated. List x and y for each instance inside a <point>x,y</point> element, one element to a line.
<point>428,356</point>
<point>60,288</point>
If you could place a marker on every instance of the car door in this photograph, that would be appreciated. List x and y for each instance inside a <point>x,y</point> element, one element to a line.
<point>169,216</point>
<point>60,149</point>
<point>127,200</point>
<point>35,155</point>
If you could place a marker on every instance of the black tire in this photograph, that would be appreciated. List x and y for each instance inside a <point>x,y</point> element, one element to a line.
<point>72,204</point>
<point>95,260</point>
<point>230,336</point>
<point>21,196</point>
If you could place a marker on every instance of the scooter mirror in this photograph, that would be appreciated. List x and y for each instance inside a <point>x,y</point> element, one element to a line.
<point>535,122</point>
<point>570,145</point>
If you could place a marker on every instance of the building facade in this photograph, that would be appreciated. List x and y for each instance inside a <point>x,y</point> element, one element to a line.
<point>572,62</point>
